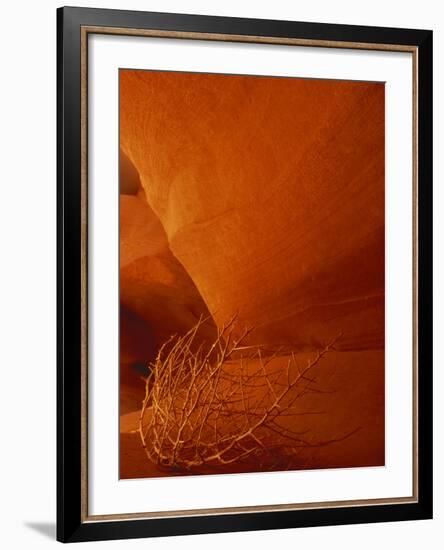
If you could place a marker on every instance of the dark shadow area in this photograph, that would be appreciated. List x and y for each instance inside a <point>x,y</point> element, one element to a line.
<point>47,529</point>
<point>128,176</point>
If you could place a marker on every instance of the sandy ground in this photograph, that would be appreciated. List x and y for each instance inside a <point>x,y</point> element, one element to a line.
<point>352,381</point>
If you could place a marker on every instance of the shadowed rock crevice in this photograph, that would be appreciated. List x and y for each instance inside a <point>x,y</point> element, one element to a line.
<point>157,296</point>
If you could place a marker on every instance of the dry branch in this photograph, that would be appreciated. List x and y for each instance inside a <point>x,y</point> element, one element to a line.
<point>222,404</point>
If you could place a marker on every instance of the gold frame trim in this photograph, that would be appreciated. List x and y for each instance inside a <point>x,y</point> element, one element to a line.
<point>85,31</point>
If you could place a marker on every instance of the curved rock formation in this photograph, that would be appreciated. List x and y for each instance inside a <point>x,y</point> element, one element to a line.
<point>271,193</point>
<point>153,283</point>
<point>157,296</point>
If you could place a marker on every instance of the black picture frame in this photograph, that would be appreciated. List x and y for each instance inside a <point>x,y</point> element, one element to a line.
<point>72,525</point>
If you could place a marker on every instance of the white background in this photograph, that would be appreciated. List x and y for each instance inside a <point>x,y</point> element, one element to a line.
<point>108,495</point>
<point>27,218</point>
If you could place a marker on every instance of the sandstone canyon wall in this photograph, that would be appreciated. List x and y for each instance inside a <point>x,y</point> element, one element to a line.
<point>271,194</point>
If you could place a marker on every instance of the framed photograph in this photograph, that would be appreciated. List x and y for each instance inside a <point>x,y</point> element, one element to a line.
<point>244,274</point>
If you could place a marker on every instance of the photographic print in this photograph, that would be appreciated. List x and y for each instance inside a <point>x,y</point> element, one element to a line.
<point>244,274</point>
<point>251,273</point>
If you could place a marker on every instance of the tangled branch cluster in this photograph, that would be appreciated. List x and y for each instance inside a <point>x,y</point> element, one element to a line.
<point>223,404</point>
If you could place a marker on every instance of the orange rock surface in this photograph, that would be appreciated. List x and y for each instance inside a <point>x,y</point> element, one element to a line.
<point>271,193</point>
